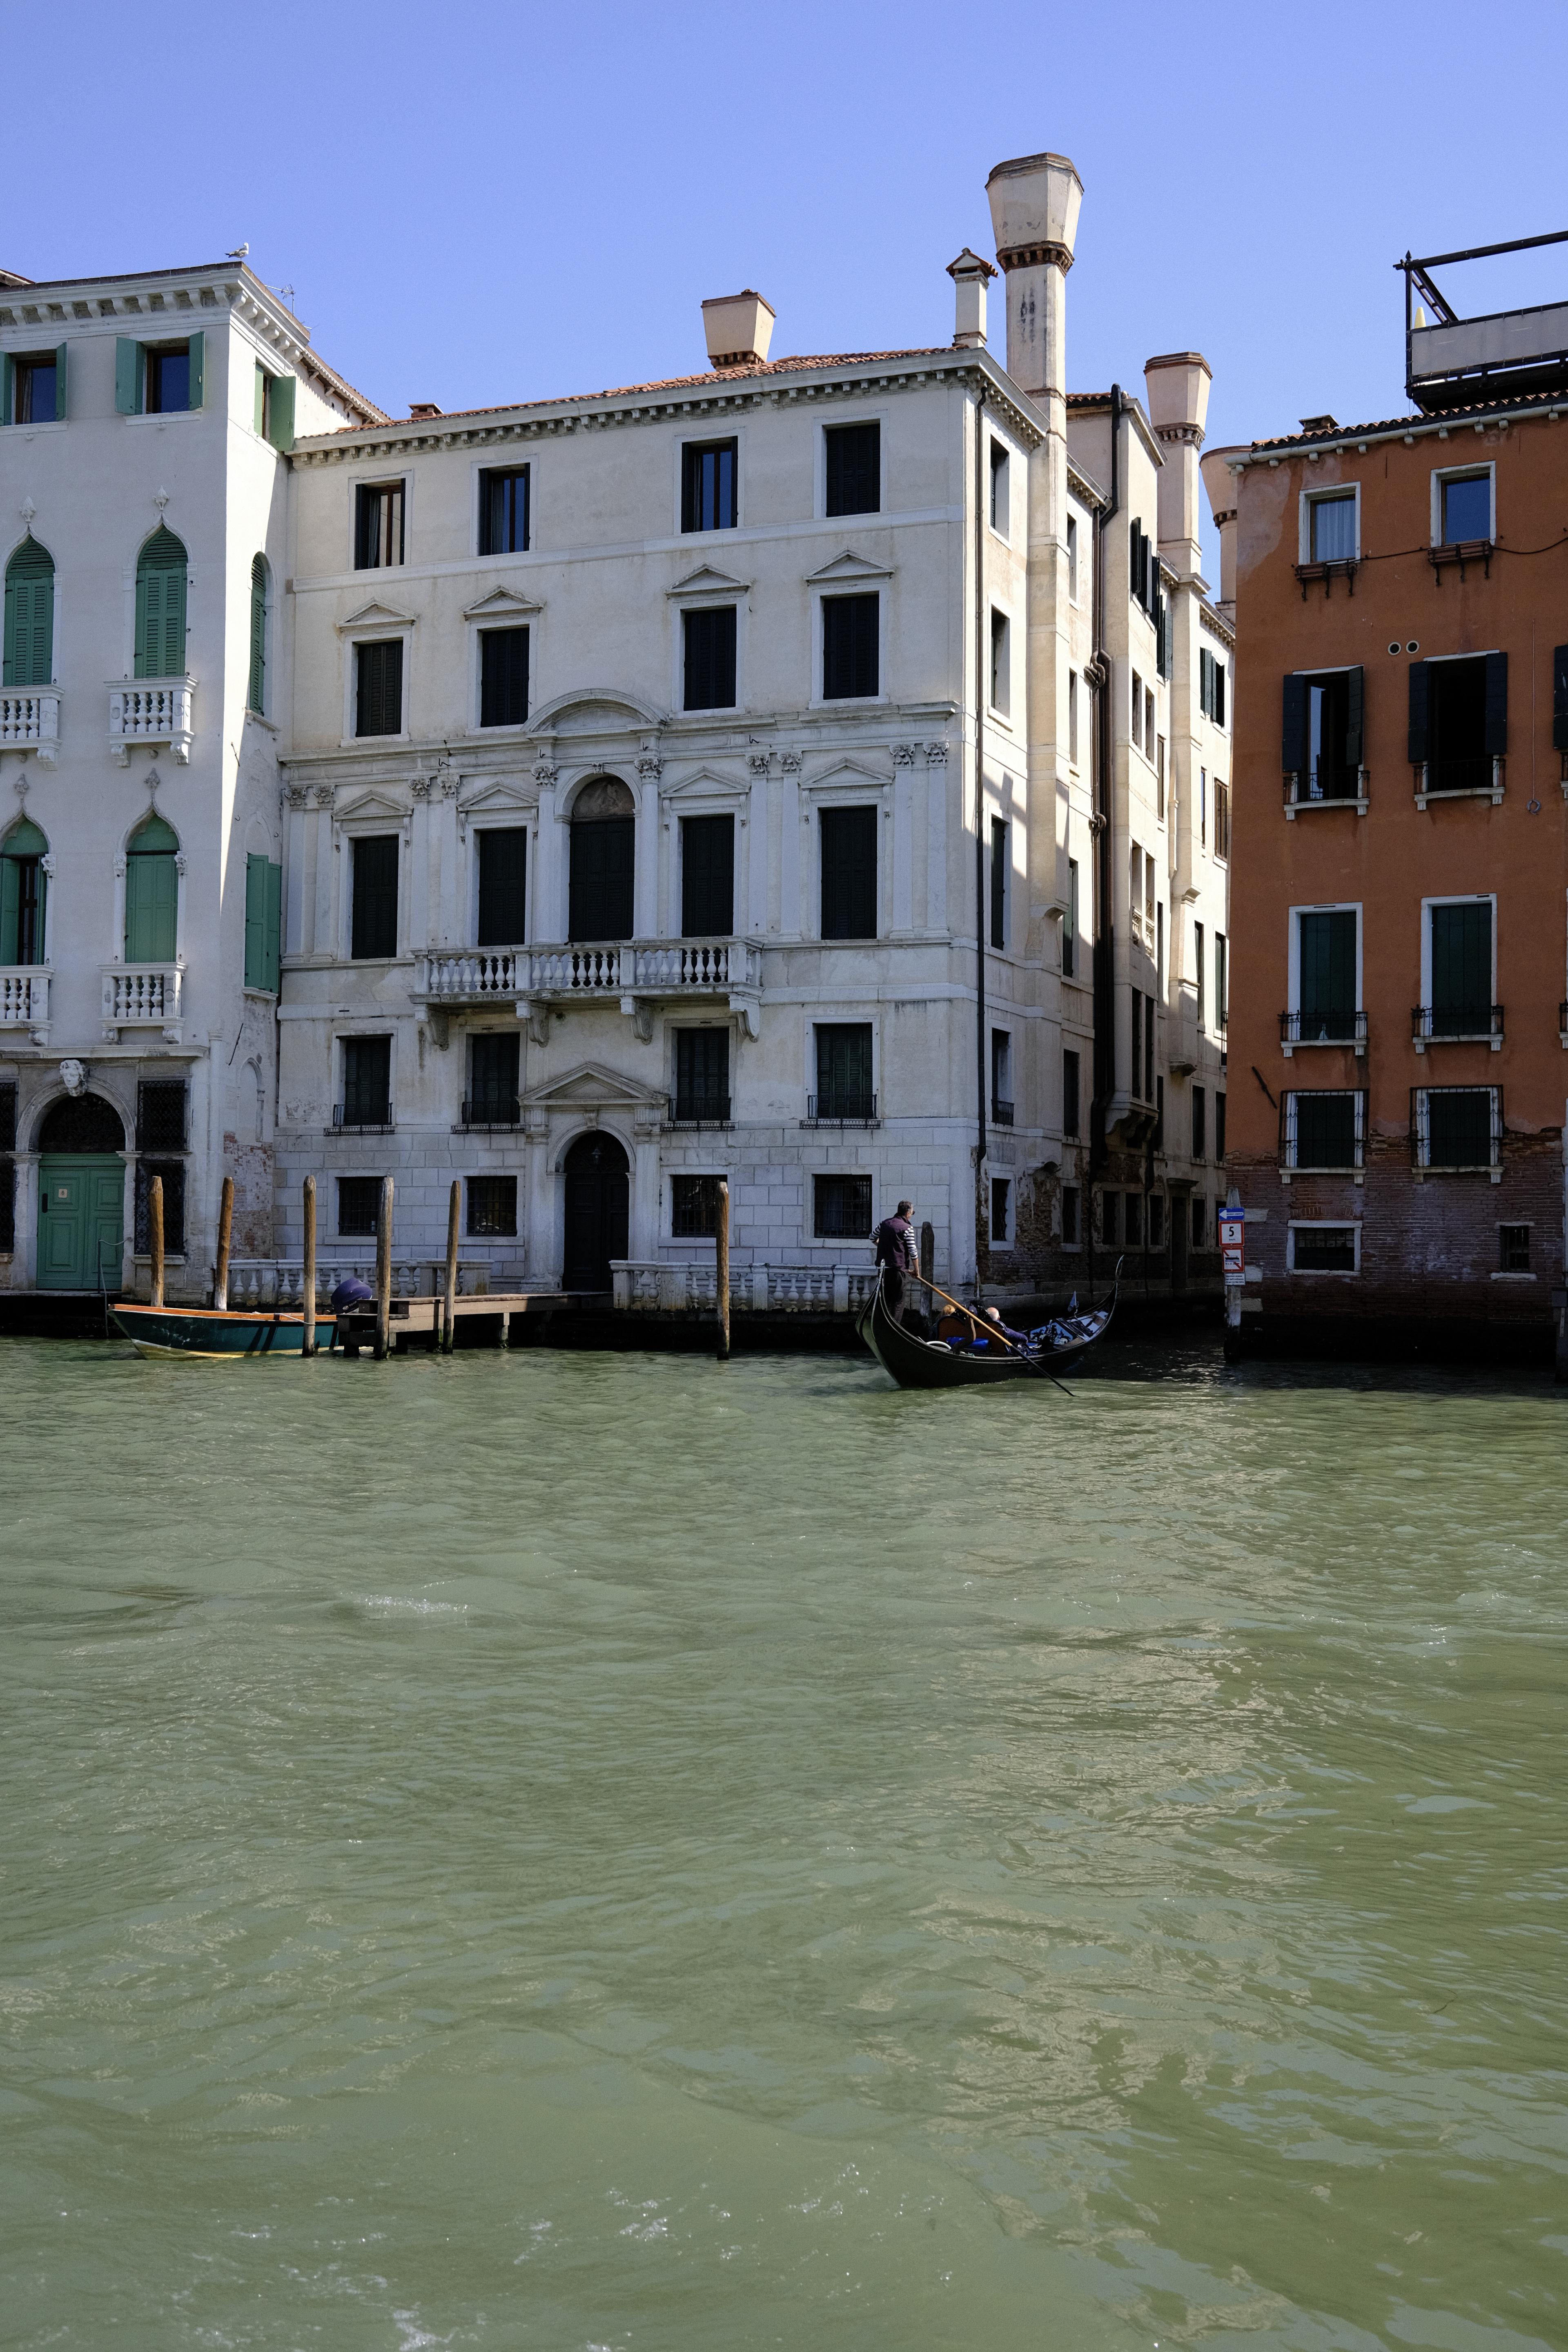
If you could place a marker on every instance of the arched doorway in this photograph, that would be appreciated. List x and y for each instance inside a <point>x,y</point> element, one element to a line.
<point>603,859</point>
<point>81,1196</point>
<point>597,1211</point>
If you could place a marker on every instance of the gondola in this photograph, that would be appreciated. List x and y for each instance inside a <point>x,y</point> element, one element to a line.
<point>217,1333</point>
<point>917,1363</point>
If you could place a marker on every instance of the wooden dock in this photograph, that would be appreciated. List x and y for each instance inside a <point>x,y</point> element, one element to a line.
<point>423,1320</point>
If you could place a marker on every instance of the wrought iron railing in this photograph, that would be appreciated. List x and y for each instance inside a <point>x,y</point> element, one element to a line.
<point>361,1116</point>
<point>1001,1112</point>
<point>841,1110</point>
<point>491,1110</point>
<point>699,1110</point>
<point>1336,1025</point>
<point>1455,1025</point>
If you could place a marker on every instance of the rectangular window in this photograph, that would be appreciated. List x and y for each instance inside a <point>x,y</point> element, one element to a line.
<point>378,688</point>
<point>1322,734</point>
<point>852,483</point>
<point>1069,924</point>
<point>373,916</point>
<point>1111,1218</point>
<point>1149,721</point>
<point>1330,534</point>
<point>1159,947</point>
<point>378,525</point>
<point>841,1208</point>
<point>1070,1113</point>
<point>1072,558</point>
<point>161,1115</point>
<point>503,510</point>
<point>706,877</point>
<point>702,1073</point>
<point>1202,805</point>
<point>708,658</point>
<point>999,882</point>
<point>1069,1216</point>
<point>36,381</point>
<point>1459,1127</point>
<point>263,922</point>
<point>1200,1220</point>
<point>1327,975</point>
<point>843,1071</point>
<point>1200,1124</point>
<point>1133,1211</point>
<point>1458,721</point>
<point>1513,1249</point>
<point>503,678</point>
<point>1221,982</point>
<point>492,1207</point>
<point>849,841</point>
<point>167,381</point>
<point>1221,819</point>
<point>1461,957</point>
<point>359,1206</point>
<point>1323,1249</point>
<point>1219,1128</point>
<point>1198,972</point>
<point>1001,1212</point>
<point>367,1082</point>
<point>173,1172</point>
<point>1466,508</point>
<point>1156,1221</point>
<point>1137,712</point>
<point>503,885</point>
<point>1001,664</point>
<point>694,1207</point>
<point>494,1061</point>
<point>1325,1129</point>
<point>708,482</point>
<point>1159,1114</point>
<point>601,877</point>
<point>1160,778</point>
<point>24,899</point>
<point>850,654</point>
<point>1137,1040</point>
<point>1001,1077</point>
<point>1072,717</point>
<point>1148,1049</point>
<point>1000,517</point>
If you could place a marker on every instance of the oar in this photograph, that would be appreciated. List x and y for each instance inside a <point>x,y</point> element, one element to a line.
<point>974,1314</point>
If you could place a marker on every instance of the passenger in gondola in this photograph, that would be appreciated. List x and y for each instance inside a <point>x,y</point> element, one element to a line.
<point>898,1258</point>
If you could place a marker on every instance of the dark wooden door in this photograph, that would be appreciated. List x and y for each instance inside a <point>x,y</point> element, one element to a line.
<point>597,1211</point>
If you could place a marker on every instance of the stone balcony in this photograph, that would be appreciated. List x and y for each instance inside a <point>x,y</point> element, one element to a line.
<point>142,996</point>
<point>632,973</point>
<point>30,721</point>
<point>24,999</point>
<point>658,1287</point>
<point>151,710</point>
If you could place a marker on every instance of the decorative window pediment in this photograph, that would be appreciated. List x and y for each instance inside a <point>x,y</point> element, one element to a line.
<point>707,581</point>
<point>590,1086</point>
<point>704,783</point>
<point>849,571</point>
<point>370,804</point>
<point>853,773</point>
<point>377,616</point>
<point>503,604</point>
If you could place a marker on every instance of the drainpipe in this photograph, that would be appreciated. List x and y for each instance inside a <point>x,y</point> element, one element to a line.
<point>979,821</point>
<point>1105,798</point>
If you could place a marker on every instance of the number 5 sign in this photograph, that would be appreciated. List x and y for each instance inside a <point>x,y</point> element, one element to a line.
<point>1233,1241</point>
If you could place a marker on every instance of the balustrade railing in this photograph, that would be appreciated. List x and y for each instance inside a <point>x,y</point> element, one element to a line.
<point>141,996</point>
<point>30,716</point>
<point>280,1282</point>
<point>655,1286</point>
<point>151,710</point>
<point>24,996</point>
<point>613,968</point>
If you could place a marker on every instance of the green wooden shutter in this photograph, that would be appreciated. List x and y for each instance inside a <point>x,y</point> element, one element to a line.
<point>260,397</point>
<point>59,380</point>
<point>198,367</point>
<point>1355,718</point>
<point>257,696</point>
<point>1462,966</point>
<point>281,423</point>
<point>1419,715</point>
<point>1293,735</point>
<point>10,907</point>
<point>161,606</point>
<point>29,639</point>
<point>255,922</point>
<point>151,901</point>
<point>1497,706</point>
<point>130,376</point>
<point>272,955</point>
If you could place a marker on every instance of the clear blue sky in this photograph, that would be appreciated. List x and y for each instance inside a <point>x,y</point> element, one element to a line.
<point>479,202</point>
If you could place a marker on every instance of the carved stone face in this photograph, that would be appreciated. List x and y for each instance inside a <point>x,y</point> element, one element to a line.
<point>73,1078</point>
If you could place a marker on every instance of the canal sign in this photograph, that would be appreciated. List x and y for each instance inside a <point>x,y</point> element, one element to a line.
<point>1233,1242</point>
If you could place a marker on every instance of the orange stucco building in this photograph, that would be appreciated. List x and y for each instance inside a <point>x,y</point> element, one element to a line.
<point>1397,1028</point>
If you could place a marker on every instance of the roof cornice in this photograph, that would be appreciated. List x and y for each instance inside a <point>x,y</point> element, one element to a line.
<point>1356,439</point>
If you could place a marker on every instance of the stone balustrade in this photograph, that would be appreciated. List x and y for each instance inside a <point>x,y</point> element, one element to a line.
<point>656,1287</point>
<point>616,968</point>
<point>280,1283</point>
<point>143,996</point>
<point>23,996</point>
<point>30,720</point>
<point>151,710</point>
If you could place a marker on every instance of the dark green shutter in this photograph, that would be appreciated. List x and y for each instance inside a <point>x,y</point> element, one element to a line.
<point>256,694</point>
<point>281,413</point>
<point>1293,735</point>
<point>259,418</point>
<point>1497,706</point>
<point>10,907</point>
<point>255,922</point>
<point>1327,972</point>
<point>272,953</point>
<point>161,606</point>
<point>130,375</point>
<point>1462,967</point>
<point>1560,699</point>
<point>1419,704</point>
<point>1355,720</point>
<point>59,382</point>
<point>1219,677</point>
<point>151,901</point>
<point>198,368</point>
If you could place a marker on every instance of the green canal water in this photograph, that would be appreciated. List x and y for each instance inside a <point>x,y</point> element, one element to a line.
<point>572,1852</point>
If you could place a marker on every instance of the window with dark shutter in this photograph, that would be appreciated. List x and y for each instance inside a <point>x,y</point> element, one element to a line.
<point>167,379</point>
<point>850,647</point>
<point>841,1208</point>
<point>503,510</point>
<point>503,880</point>
<point>1070,1067</point>
<point>30,616</point>
<point>1000,664</point>
<point>694,1207</point>
<point>1467,721</point>
<point>843,1071</point>
<point>255,694</point>
<point>854,468</point>
<point>358,1205</point>
<point>999,882</point>
<point>367,1082</point>
<point>161,1115</point>
<point>492,1207</point>
<point>161,574</point>
<point>708,658</point>
<point>848,839</point>
<point>378,688</point>
<point>503,678</point>
<point>173,1172</point>
<point>378,525</point>
<point>1323,1126</point>
<point>263,922</point>
<point>707,486</point>
<point>602,862</point>
<point>1327,946</point>
<point>706,877</point>
<point>493,1063</point>
<point>1069,923</point>
<point>1293,735</point>
<point>373,916</point>
<point>1461,1121</point>
<point>1200,1124</point>
<point>1462,970</point>
<point>702,1073</point>
<point>1419,732</point>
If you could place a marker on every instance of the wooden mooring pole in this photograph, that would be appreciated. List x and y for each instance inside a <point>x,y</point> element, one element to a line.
<point>721,1268</point>
<point>450,1316</point>
<point>307,1339</point>
<point>225,1236</point>
<point>384,1271</point>
<point>155,1235</point>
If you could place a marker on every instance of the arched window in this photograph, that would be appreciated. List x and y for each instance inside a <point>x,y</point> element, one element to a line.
<point>152,893</point>
<point>257,698</point>
<point>161,606</point>
<point>602,851</point>
<point>30,616</point>
<point>23,887</point>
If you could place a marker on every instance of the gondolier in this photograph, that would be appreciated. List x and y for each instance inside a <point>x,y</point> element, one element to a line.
<point>896,1256</point>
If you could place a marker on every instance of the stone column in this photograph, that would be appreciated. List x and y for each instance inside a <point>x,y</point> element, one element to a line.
<point>550,860</point>
<point>420,858</point>
<point>903,837</point>
<point>645,883</point>
<point>450,913</point>
<point>325,941</point>
<point>299,909</point>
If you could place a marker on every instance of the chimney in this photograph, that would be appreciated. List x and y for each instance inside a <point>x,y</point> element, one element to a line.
<point>1220,484</point>
<point>969,274</point>
<point>1177,384</point>
<point>739,328</point>
<point>422,408</point>
<point>1035,202</point>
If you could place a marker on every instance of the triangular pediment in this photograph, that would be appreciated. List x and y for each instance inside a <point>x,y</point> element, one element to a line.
<point>503,603</point>
<point>705,779</point>
<point>708,581</point>
<point>847,566</point>
<point>850,771</point>
<point>369,803</point>
<point>377,616</point>
<point>590,1086</point>
<point>503,795</point>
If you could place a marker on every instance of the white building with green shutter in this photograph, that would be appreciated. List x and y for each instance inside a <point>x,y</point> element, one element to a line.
<point>144,423</point>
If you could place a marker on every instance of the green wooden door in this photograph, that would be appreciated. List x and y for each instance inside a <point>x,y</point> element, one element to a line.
<point>82,1221</point>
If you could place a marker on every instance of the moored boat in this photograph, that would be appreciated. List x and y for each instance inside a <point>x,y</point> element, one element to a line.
<point>217,1333</point>
<point>917,1363</point>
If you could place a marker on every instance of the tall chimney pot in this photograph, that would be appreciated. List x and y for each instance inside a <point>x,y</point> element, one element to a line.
<point>739,328</point>
<point>1034,202</point>
<point>969,275</point>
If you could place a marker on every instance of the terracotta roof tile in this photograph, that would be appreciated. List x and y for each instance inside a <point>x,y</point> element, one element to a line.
<point>1420,416</point>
